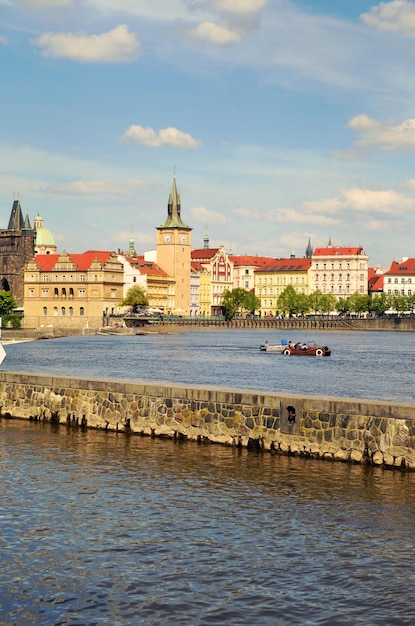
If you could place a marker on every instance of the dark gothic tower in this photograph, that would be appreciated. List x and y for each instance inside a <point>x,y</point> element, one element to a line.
<point>17,247</point>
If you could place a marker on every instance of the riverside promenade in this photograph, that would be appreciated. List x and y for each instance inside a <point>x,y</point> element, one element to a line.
<point>335,429</point>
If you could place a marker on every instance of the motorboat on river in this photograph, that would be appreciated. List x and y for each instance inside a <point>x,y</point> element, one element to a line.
<point>267,347</point>
<point>309,348</point>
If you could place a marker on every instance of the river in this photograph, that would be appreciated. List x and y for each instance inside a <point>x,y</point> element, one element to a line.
<point>108,529</point>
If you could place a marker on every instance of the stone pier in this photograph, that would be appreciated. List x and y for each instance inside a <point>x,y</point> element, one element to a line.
<point>336,429</point>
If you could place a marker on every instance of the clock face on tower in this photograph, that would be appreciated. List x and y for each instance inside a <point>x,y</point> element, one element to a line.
<point>167,238</point>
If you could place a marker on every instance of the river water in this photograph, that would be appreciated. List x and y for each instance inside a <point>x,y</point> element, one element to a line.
<point>102,528</point>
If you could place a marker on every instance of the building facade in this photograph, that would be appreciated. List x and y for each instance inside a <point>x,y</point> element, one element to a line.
<point>219,268</point>
<point>72,290</point>
<point>340,271</point>
<point>399,280</point>
<point>274,277</point>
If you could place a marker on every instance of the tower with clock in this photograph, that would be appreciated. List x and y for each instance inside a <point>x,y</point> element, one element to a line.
<point>174,252</point>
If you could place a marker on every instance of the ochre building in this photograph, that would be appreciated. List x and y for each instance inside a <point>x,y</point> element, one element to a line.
<point>72,290</point>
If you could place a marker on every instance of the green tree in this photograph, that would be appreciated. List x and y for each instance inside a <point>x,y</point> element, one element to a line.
<point>250,302</point>
<point>343,306</point>
<point>327,303</point>
<point>7,302</point>
<point>238,300</point>
<point>135,297</point>
<point>315,300</point>
<point>288,301</point>
<point>379,303</point>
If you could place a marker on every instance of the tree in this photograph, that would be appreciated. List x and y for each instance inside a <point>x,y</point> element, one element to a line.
<point>239,299</point>
<point>288,301</point>
<point>135,297</point>
<point>7,302</point>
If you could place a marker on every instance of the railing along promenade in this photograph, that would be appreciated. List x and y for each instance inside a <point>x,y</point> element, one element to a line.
<point>309,323</point>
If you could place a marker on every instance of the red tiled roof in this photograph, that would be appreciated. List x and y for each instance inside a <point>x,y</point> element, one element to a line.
<point>255,261</point>
<point>286,265</point>
<point>204,253</point>
<point>402,267</point>
<point>338,251</point>
<point>82,262</point>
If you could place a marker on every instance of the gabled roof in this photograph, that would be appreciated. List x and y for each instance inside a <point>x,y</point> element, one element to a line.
<point>404,267</point>
<point>286,265</point>
<point>338,251</point>
<point>375,280</point>
<point>250,260</point>
<point>149,268</point>
<point>82,262</point>
<point>204,254</point>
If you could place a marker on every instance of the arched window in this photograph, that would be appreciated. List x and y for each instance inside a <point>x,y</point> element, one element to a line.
<point>63,311</point>
<point>63,292</point>
<point>56,292</point>
<point>55,311</point>
<point>45,310</point>
<point>81,311</point>
<point>70,310</point>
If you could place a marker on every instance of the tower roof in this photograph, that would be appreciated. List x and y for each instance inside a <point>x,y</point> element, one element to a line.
<point>174,219</point>
<point>16,221</point>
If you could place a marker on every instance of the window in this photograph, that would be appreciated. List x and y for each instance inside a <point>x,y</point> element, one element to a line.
<point>45,310</point>
<point>63,311</point>
<point>81,311</point>
<point>362,277</point>
<point>55,311</point>
<point>45,293</point>
<point>70,311</point>
<point>82,293</point>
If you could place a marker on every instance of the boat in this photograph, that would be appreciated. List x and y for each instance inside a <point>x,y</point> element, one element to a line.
<point>308,348</point>
<point>267,347</point>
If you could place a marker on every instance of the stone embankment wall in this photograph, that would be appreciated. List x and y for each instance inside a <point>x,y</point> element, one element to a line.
<point>337,429</point>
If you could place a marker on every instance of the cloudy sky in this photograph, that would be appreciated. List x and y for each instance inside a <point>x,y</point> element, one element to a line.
<point>283,120</point>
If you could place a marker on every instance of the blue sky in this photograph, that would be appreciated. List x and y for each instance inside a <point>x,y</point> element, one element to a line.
<point>284,120</point>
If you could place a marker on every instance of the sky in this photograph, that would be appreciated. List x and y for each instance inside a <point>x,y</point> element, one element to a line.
<point>282,121</point>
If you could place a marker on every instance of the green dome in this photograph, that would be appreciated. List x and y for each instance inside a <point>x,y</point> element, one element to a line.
<point>44,237</point>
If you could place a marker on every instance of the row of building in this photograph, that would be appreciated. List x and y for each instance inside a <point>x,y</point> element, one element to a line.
<point>78,290</point>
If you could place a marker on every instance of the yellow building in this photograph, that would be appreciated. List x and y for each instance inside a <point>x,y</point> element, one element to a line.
<point>274,277</point>
<point>173,252</point>
<point>72,290</point>
<point>219,268</point>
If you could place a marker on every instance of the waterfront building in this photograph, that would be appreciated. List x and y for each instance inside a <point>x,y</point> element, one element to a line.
<point>17,247</point>
<point>219,268</point>
<point>72,290</point>
<point>158,285</point>
<point>244,268</point>
<point>340,271</point>
<point>174,252</point>
<point>44,242</point>
<point>399,280</point>
<point>275,276</point>
<point>195,270</point>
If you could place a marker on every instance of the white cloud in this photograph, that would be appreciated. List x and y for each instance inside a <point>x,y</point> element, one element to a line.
<point>397,16</point>
<point>165,137</point>
<point>299,216</point>
<point>367,201</point>
<point>384,135</point>
<point>247,214</point>
<point>43,4</point>
<point>241,7</point>
<point>3,41</point>
<point>206,216</point>
<point>96,187</point>
<point>115,46</point>
<point>210,32</point>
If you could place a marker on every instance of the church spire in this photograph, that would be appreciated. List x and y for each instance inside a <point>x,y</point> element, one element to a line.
<point>309,250</point>
<point>174,219</point>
